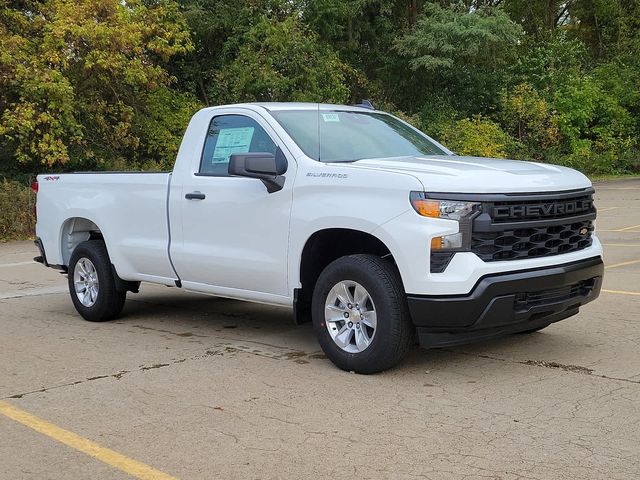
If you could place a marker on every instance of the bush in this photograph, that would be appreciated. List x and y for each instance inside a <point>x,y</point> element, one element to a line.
<point>16,211</point>
<point>598,131</point>
<point>478,137</point>
<point>528,118</point>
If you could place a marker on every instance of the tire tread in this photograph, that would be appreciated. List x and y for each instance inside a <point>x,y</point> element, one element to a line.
<point>401,333</point>
<point>110,301</point>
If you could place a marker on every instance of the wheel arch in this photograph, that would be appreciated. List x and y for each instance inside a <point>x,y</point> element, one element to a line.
<point>76,230</point>
<point>323,247</point>
<point>73,232</point>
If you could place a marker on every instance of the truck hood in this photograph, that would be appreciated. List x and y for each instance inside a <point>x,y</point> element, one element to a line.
<point>456,174</point>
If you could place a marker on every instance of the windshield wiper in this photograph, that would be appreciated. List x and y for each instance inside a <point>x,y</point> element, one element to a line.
<point>345,161</point>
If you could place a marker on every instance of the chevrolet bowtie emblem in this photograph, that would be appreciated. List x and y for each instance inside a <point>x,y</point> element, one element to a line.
<point>584,231</point>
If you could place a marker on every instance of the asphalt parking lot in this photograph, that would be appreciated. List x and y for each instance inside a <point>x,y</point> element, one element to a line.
<point>193,387</point>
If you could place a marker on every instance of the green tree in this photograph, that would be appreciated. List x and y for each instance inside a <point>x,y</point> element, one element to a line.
<point>608,28</point>
<point>545,65</point>
<point>600,133</point>
<point>280,61</point>
<point>80,77</point>
<point>111,84</point>
<point>540,19</point>
<point>217,29</point>
<point>460,54</point>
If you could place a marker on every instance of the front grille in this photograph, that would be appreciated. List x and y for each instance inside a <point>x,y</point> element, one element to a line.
<point>514,226</point>
<point>525,301</point>
<point>519,243</point>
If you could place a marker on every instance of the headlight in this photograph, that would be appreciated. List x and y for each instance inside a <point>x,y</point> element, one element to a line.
<point>449,209</point>
<point>462,212</point>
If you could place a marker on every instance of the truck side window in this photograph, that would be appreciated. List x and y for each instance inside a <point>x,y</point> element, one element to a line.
<point>229,134</point>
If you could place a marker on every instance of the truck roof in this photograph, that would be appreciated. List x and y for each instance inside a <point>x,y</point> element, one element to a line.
<point>275,106</point>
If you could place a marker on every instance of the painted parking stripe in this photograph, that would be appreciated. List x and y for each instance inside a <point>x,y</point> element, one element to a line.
<point>620,245</point>
<point>622,292</point>
<point>622,264</point>
<point>81,444</point>
<point>17,264</point>
<point>632,227</point>
<point>31,292</point>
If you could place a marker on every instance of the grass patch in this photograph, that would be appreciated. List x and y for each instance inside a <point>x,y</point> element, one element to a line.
<point>17,221</point>
<point>622,176</point>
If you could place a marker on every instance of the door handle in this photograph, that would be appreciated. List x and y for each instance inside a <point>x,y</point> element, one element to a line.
<point>195,196</point>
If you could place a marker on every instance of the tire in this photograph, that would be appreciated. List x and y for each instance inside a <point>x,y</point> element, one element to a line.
<point>107,302</point>
<point>393,334</point>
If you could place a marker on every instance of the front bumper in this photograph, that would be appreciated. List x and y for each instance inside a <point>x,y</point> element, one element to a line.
<point>511,302</point>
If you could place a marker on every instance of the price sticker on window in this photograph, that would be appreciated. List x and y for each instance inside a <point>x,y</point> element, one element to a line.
<point>230,141</point>
<point>330,117</point>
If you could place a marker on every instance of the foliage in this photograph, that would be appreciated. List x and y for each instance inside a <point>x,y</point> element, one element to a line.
<point>160,127</point>
<point>110,84</point>
<point>452,49</point>
<point>282,59</point>
<point>529,120</point>
<point>80,77</point>
<point>454,38</point>
<point>547,64</point>
<point>477,136</point>
<point>16,215</point>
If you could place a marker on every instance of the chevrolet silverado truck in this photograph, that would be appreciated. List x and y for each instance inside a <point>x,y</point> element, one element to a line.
<point>363,224</point>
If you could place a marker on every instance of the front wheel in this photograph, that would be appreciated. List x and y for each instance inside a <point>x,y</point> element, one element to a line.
<point>92,284</point>
<point>360,314</point>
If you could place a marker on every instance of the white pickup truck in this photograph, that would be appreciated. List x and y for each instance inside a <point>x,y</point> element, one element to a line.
<point>365,225</point>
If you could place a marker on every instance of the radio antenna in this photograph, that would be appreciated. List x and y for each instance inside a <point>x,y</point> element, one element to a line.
<point>319,131</point>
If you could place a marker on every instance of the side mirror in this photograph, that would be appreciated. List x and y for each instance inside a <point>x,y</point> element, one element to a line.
<point>265,166</point>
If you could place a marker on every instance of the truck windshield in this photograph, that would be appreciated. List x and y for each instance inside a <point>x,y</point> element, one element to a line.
<point>348,136</point>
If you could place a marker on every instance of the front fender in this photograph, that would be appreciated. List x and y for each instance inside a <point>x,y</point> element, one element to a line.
<point>328,196</point>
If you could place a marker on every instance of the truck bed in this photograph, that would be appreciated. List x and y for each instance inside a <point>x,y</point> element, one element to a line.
<point>128,208</point>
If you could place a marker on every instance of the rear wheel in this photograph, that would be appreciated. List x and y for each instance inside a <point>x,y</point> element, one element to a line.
<point>92,283</point>
<point>360,314</point>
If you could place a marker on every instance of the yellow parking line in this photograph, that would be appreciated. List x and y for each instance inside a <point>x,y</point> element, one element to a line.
<point>622,264</point>
<point>622,292</point>
<point>115,459</point>
<point>627,228</point>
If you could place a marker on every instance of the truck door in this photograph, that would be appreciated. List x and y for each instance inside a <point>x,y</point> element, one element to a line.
<point>229,235</point>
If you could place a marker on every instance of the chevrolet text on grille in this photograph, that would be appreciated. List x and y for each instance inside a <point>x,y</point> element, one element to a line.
<point>543,209</point>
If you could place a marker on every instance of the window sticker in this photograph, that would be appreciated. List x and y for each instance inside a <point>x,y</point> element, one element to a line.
<point>230,141</point>
<point>330,117</point>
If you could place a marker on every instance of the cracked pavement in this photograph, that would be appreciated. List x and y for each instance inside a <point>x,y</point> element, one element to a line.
<point>202,387</point>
